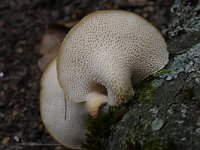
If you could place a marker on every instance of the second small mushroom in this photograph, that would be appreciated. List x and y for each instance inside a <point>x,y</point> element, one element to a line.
<point>64,119</point>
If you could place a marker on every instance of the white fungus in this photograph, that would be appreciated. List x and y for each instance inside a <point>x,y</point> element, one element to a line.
<point>109,48</point>
<point>64,119</point>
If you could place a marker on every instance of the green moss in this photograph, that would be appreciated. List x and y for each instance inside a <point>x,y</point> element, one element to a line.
<point>162,72</point>
<point>98,129</point>
<point>145,92</point>
<point>150,144</point>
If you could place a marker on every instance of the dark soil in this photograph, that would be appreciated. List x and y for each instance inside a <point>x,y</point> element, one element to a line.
<point>22,25</point>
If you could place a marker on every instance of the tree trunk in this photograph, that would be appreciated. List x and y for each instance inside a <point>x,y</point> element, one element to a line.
<point>166,114</point>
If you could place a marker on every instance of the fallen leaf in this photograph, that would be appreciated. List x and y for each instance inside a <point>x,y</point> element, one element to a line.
<point>5,140</point>
<point>70,24</point>
<point>50,44</point>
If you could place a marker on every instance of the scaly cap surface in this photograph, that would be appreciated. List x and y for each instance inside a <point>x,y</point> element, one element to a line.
<point>109,48</point>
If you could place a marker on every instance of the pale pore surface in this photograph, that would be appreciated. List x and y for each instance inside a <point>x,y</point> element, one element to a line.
<point>110,48</point>
<point>69,131</point>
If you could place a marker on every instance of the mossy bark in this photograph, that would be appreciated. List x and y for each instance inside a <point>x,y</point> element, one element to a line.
<point>166,109</point>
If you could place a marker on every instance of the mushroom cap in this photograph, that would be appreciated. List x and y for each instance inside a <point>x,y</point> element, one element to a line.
<point>64,119</point>
<point>109,47</point>
<point>94,102</point>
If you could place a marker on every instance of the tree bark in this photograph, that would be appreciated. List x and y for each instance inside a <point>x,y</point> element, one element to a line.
<point>167,116</point>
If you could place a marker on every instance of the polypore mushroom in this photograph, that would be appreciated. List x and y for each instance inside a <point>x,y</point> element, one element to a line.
<point>108,49</point>
<point>64,119</point>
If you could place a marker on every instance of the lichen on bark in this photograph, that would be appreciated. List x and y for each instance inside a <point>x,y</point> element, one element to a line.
<point>165,111</point>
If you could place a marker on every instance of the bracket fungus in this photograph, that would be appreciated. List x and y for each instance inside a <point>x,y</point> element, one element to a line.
<point>109,48</point>
<point>98,61</point>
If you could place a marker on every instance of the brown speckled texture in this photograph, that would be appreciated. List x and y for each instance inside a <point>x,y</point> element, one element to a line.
<point>109,48</point>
